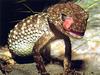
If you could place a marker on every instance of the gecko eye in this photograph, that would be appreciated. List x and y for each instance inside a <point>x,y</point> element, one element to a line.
<point>67,21</point>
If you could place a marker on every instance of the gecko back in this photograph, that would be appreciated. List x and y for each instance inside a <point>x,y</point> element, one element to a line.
<point>26,33</point>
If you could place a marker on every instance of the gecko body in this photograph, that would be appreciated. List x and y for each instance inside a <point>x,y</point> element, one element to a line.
<point>59,22</point>
<point>26,33</point>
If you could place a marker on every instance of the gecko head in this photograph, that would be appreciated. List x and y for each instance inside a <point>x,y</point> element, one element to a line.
<point>69,18</point>
<point>74,24</point>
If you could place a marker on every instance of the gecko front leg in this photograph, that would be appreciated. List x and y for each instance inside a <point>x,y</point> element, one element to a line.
<point>39,62</point>
<point>36,52</point>
<point>67,56</point>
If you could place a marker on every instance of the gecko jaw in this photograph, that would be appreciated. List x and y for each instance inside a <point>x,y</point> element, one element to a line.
<point>75,35</point>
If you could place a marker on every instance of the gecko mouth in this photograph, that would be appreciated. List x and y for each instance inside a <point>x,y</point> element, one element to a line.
<point>76,34</point>
<point>67,23</point>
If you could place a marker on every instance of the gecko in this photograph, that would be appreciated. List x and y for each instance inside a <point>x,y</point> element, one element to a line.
<point>33,34</point>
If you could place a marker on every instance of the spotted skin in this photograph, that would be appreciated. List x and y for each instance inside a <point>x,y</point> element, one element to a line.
<point>26,33</point>
<point>35,31</point>
<point>72,10</point>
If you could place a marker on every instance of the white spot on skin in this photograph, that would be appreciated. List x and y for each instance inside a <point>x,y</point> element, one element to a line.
<point>56,22</point>
<point>21,36</point>
<point>35,26</point>
<point>14,36</point>
<point>16,25</point>
<point>28,21</point>
<point>19,33</point>
<point>10,40</point>
<point>15,32</point>
<point>16,42</point>
<point>36,30</point>
<point>47,32</point>
<point>9,35</point>
<point>29,29</point>
<point>24,24</point>
<point>23,32</point>
<point>25,38</point>
<point>22,28</point>
<point>38,21</point>
<point>40,32</point>
<point>11,31</point>
<point>26,31</point>
<point>9,45</point>
<point>31,25</point>
<point>31,16</point>
<point>31,32</point>
<point>45,29</point>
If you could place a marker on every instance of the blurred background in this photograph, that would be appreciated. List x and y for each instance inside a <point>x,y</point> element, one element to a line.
<point>87,48</point>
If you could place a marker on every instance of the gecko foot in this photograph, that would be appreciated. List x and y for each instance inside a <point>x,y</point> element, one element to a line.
<point>6,61</point>
<point>67,67</point>
<point>5,67</point>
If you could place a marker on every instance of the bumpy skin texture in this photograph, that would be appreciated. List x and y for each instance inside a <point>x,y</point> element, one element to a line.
<point>35,31</point>
<point>26,33</point>
<point>72,10</point>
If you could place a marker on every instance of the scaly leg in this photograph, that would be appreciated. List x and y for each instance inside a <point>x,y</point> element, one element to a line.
<point>36,53</point>
<point>67,59</point>
<point>60,35</point>
<point>39,63</point>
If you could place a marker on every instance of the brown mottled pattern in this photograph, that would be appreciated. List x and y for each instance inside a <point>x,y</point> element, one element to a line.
<point>70,10</point>
<point>27,32</point>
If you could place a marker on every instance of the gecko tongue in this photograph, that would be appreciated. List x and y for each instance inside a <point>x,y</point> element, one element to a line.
<point>67,23</point>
